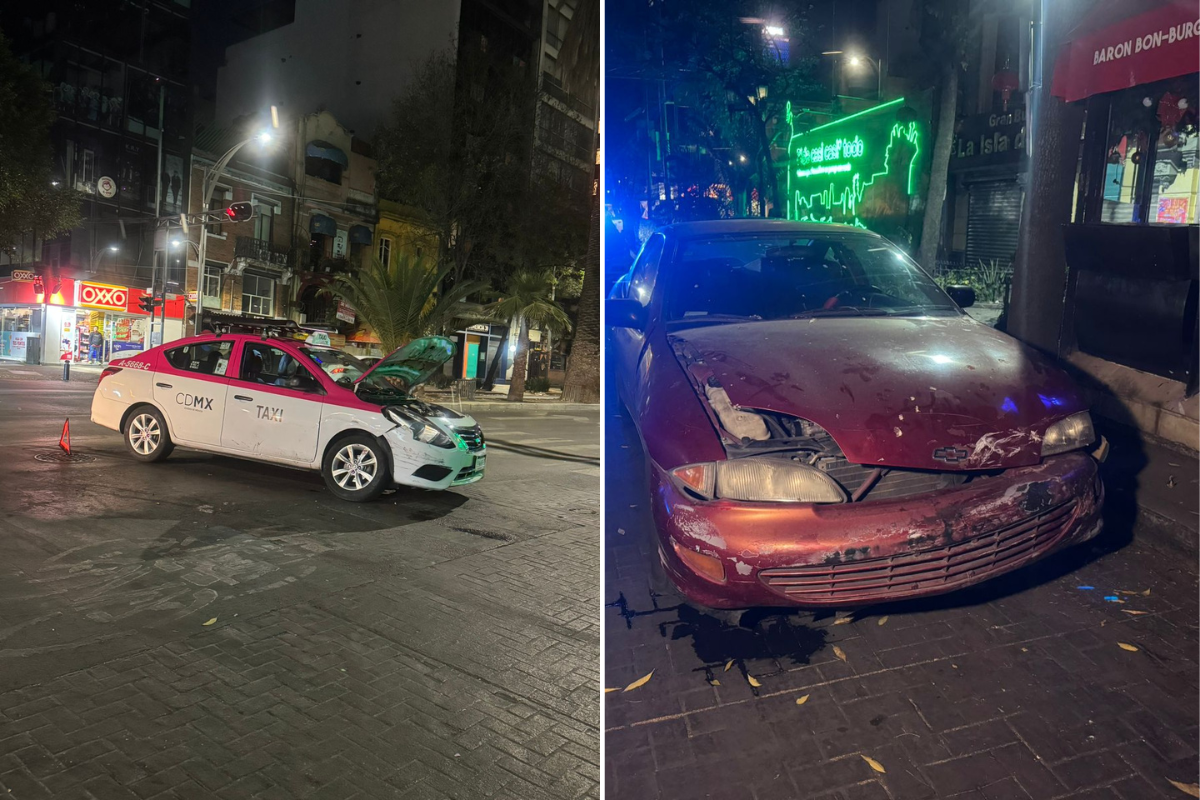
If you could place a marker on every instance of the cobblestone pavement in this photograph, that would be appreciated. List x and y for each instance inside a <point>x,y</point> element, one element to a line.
<point>428,645</point>
<point>1016,690</point>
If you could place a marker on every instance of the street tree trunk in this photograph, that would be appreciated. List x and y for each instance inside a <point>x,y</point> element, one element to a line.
<point>931,230</point>
<point>582,383</point>
<point>1035,311</point>
<point>516,388</point>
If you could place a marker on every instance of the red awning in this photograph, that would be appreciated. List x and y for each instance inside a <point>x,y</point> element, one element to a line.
<point>1104,55</point>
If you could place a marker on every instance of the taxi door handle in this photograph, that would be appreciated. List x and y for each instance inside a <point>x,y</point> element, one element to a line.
<point>163,385</point>
<point>243,398</point>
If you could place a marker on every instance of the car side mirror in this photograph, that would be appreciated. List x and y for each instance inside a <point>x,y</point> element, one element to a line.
<point>345,381</point>
<point>964,296</point>
<point>625,313</point>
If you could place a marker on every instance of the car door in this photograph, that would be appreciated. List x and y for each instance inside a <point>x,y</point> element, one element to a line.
<point>628,342</point>
<point>190,385</point>
<point>274,408</point>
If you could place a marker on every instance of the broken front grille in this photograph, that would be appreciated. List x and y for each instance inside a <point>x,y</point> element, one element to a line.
<point>892,483</point>
<point>935,569</point>
<point>473,437</point>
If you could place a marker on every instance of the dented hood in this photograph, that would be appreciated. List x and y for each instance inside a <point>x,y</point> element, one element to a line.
<point>923,393</point>
<point>413,363</point>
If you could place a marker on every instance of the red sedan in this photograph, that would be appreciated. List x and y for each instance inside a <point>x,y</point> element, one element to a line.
<point>825,427</point>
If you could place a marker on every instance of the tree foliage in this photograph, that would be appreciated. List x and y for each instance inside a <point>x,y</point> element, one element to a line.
<point>402,301</point>
<point>29,204</point>
<point>728,83</point>
<point>457,147</point>
<point>527,299</point>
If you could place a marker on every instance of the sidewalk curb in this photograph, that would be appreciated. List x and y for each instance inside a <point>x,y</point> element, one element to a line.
<point>1179,533</point>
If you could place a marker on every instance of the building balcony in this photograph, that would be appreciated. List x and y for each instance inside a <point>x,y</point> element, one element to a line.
<point>257,253</point>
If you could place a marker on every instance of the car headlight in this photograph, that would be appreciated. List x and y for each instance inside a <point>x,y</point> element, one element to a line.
<point>760,480</point>
<point>422,430</point>
<point>1072,433</point>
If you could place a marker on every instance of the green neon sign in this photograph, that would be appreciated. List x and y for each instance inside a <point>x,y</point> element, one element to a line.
<point>830,175</point>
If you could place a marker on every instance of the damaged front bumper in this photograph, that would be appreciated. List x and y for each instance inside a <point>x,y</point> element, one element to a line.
<point>855,554</point>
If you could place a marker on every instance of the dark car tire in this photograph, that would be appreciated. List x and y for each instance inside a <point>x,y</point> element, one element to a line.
<point>146,435</point>
<point>357,468</point>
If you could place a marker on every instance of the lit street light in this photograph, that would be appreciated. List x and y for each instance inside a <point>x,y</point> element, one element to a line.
<point>264,138</point>
<point>112,248</point>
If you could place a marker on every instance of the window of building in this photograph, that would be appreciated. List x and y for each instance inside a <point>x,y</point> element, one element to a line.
<point>209,358</point>
<point>264,219</point>
<point>221,198</point>
<point>385,251</point>
<point>210,286</point>
<point>258,295</point>
<point>323,168</point>
<point>1151,171</point>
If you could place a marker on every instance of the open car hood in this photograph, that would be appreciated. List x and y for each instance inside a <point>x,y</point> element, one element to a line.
<point>412,364</point>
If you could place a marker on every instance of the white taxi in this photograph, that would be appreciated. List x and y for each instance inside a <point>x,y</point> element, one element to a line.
<point>277,400</point>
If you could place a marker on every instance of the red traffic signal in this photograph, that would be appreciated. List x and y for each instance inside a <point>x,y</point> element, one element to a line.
<point>240,212</point>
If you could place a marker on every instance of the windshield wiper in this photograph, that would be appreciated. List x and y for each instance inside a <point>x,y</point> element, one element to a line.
<point>842,311</point>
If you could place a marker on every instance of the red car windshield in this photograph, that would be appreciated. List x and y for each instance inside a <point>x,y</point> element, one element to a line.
<point>763,276</point>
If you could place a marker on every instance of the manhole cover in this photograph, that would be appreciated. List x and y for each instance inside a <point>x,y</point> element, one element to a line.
<point>59,457</point>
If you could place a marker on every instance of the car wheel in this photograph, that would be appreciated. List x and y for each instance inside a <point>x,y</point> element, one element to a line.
<point>357,468</point>
<point>146,435</point>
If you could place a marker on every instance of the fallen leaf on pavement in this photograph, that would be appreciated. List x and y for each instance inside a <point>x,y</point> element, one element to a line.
<point>714,682</point>
<point>211,621</point>
<point>1128,647</point>
<point>1190,789</point>
<point>753,681</point>
<point>639,682</point>
<point>875,765</point>
<point>1135,613</point>
<point>882,620</point>
<point>1146,593</point>
<point>837,651</point>
<point>843,620</point>
<point>728,664</point>
<point>612,689</point>
<point>801,700</point>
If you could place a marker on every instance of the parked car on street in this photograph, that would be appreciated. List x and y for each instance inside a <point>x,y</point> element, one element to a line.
<point>273,399</point>
<point>825,427</point>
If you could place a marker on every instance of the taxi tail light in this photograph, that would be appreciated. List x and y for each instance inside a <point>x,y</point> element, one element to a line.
<point>108,371</point>
<point>706,566</point>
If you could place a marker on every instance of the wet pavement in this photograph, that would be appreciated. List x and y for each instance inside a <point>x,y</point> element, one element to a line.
<point>208,627</point>
<point>1019,689</point>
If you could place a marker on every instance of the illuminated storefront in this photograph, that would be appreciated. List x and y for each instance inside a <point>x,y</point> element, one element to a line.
<point>42,318</point>
<point>861,170</point>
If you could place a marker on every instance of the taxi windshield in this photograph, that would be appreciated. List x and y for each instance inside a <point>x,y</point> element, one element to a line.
<point>335,363</point>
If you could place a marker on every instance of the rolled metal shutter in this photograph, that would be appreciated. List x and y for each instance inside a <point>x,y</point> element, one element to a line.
<point>993,221</point>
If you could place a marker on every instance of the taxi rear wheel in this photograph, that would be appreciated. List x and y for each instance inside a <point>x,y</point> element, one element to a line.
<point>146,435</point>
<point>356,468</point>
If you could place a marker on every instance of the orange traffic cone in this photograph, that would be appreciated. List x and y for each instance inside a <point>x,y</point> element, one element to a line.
<point>64,441</point>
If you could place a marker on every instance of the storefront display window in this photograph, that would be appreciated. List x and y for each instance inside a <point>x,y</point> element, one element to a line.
<point>1152,157</point>
<point>14,329</point>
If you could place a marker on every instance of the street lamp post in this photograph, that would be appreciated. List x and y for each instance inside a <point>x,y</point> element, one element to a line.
<point>856,61</point>
<point>95,265</point>
<point>208,187</point>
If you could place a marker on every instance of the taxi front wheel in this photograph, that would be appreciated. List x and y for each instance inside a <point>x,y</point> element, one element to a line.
<point>356,468</point>
<point>146,435</point>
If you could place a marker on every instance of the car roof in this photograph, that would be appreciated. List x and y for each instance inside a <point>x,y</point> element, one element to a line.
<point>717,227</point>
<point>233,337</point>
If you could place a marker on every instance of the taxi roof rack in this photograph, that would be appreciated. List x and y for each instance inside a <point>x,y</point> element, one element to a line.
<point>234,323</point>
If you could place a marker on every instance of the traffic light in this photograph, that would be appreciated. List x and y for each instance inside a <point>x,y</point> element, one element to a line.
<point>240,212</point>
<point>146,304</point>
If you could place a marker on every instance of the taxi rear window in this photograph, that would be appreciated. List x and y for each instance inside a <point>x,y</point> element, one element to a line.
<point>207,358</point>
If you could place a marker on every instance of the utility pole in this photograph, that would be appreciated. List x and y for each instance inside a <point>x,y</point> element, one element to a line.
<point>159,253</point>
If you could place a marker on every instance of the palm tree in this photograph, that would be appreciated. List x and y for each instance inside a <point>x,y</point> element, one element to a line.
<point>527,299</point>
<point>403,300</point>
<point>580,59</point>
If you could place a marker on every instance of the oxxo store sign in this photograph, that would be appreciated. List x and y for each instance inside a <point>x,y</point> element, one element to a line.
<point>102,296</point>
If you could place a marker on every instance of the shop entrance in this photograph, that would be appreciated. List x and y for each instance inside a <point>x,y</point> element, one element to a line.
<point>100,336</point>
